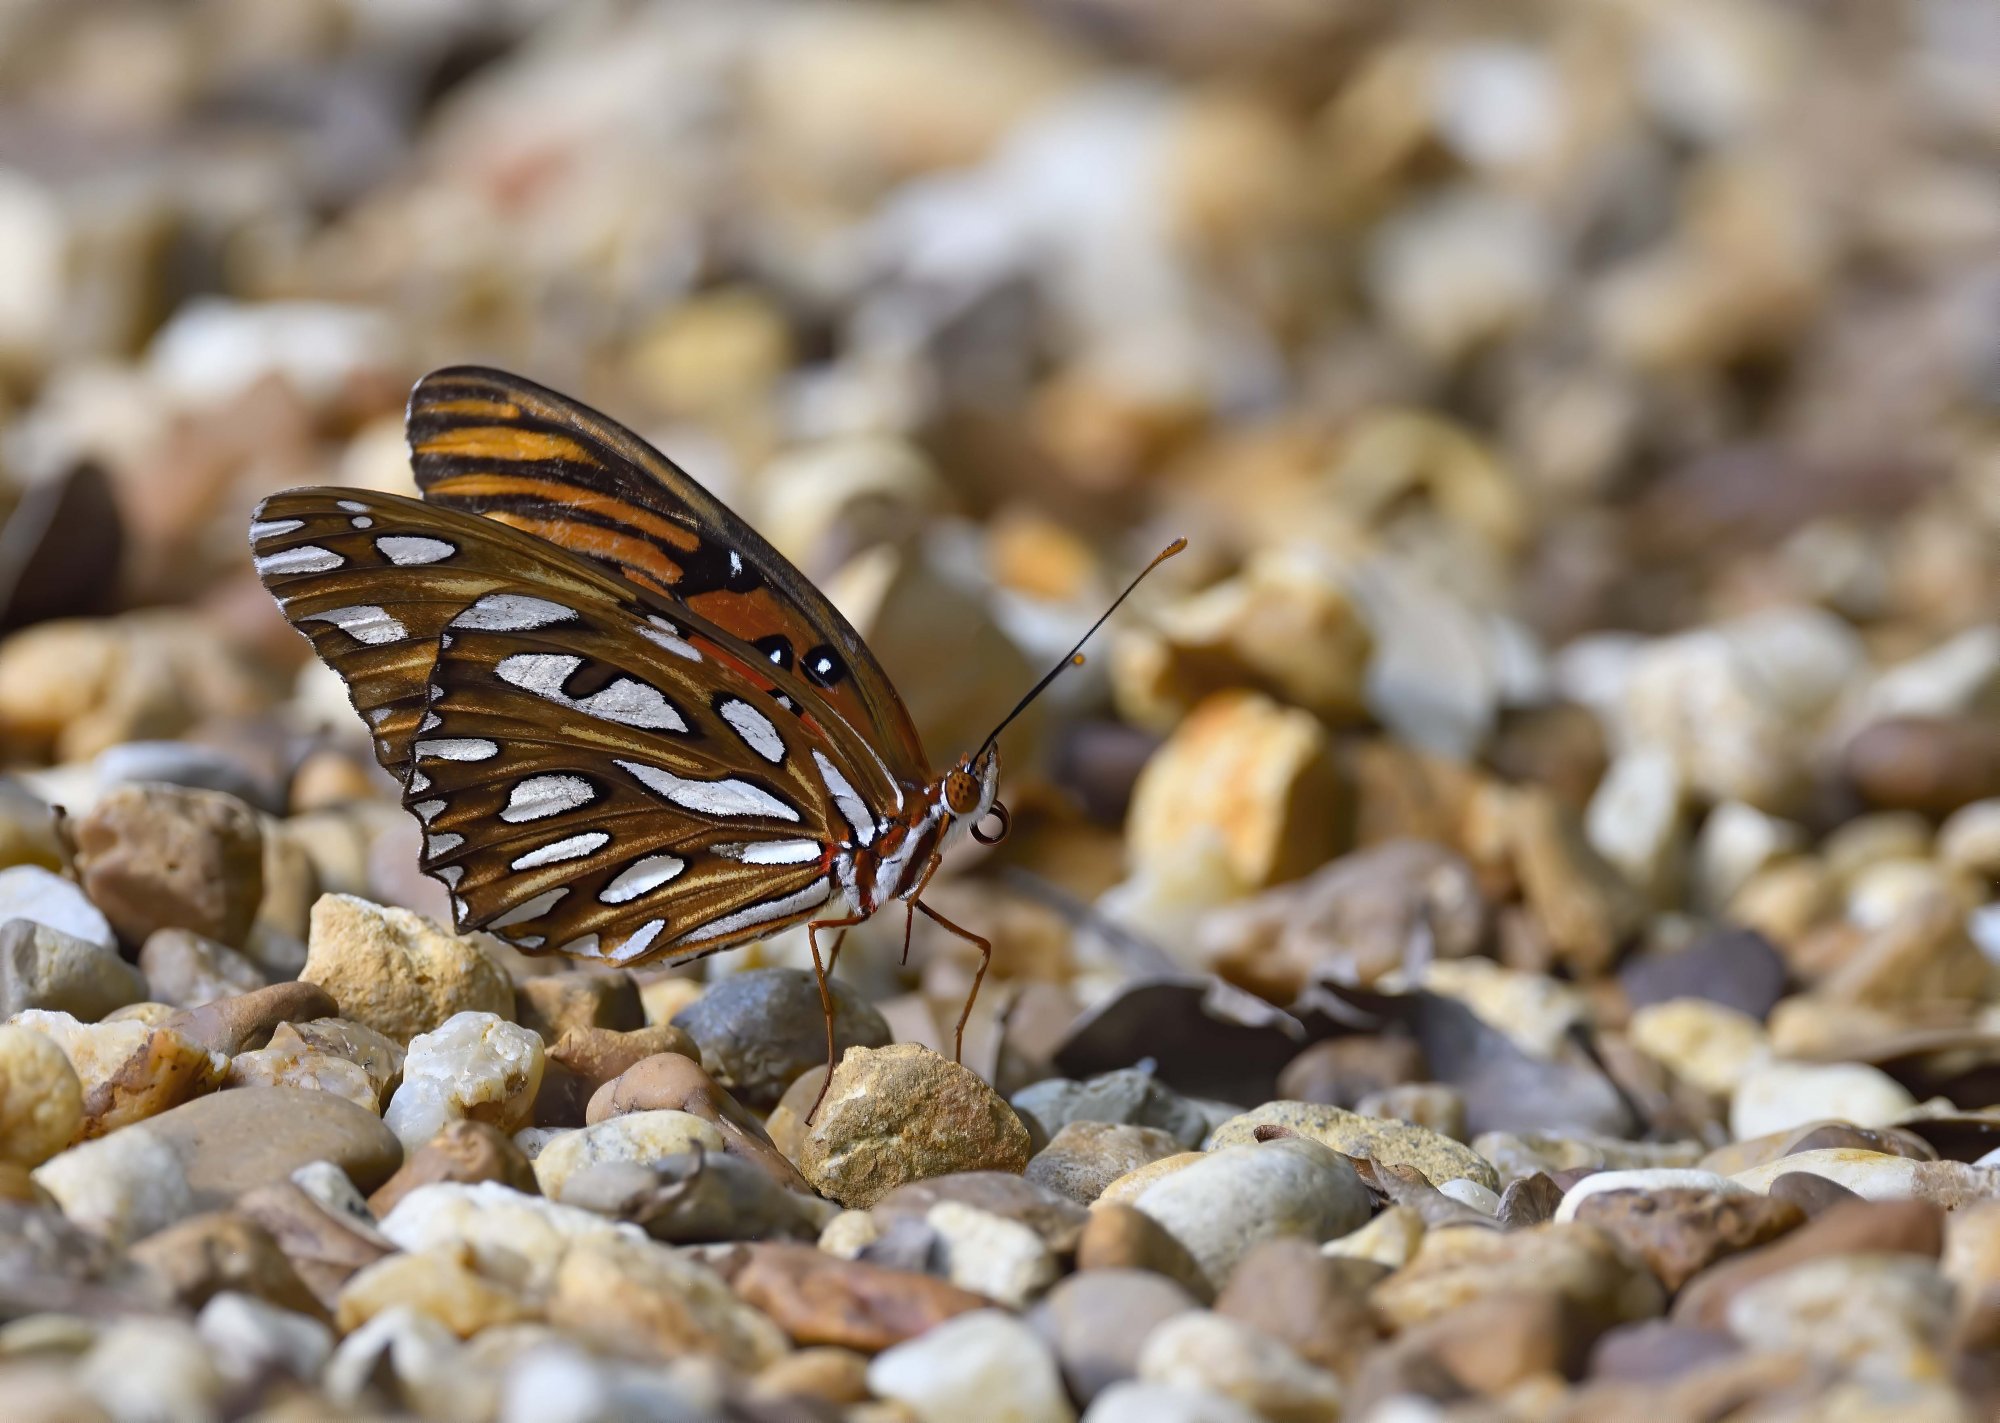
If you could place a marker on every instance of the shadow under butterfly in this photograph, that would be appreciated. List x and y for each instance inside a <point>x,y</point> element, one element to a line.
<point>631,730</point>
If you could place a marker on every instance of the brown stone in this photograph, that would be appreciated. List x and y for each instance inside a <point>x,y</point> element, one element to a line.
<point>1098,1321</point>
<point>1459,1265</point>
<point>1083,1158</point>
<point>378,1056</point>
<point>557,1003</point>
<point>1658,1350</point>
<point>324,1249</point>
<point>465,1152</point>
<point>1931,764</point>
<point>1866,1227</point>
<point>670,1082</point>
<point>818,1298</point>
<point>233,1025</point>
<point>1316,1304</point>
<point>1679,1232</point>
<point>584,1059</point>
<point>823,1374</point>
<point>1529,1200</point>
<point>1122,1237</point>
<point>1341,1071</point>
<point>235,1141</point>
<point>1813,1194</point>
<point>155,856</point>
<point>202,1256</point>
<point>1486,1346</point>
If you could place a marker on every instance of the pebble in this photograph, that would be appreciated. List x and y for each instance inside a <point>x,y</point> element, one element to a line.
<point>1459,1265</point>
<point>251,1340</point>
<point>1083,1158</point>
<point>637,1137</point>
<point>325,1248</point>
<point>1391,1239</point>
<point>473,1066</point>
<point>156,856</point>
<point>1884,1317</point>
<point>187,970</point>
<point>823,1374</point>
<point>645,1300</point>
<point>122,1187</point>
<point>1162,1403</point>
<point>233,1142</point>
<point>219,1251</point>
<point>1058,1220</point>
<point>1654,1179</point>
<point>818,1298</point>
<point>1882,1176</point>
<point>294,1065</point>
<point>1681,1230</point>
<point>1098,1320</point>
<point>1127,1097</point>
<point>151,1368</point>
<point>1120,1237</point>
<point>44,968</point>
<point>397,972</point>
<point>982,1367</point>
<point>903,1113</point>
<point>1236,1196</point>
<point>1434,1106</point>
<point>672,1082</point>
<point>128,1071</point>
<point>1139,1179</point>
<point>439,1283</point>
<point>556,1003</point>
<point>1219,1355</point>
<point>1350,1133</point>
<point>516,1238</point>
<point>464,1152</point>
<point>1706,1044</point>
<point>1858,1228</point>
<point>1313,1303</point>
<point>760,1029</point>
<point>1342,1071</point>
<point>44,897</point>
<point>690,1199</point>
<point>584,1059</point>
<point>41,1100</point>
<point>990,1254</point>
<point>1780,1095</point>
<point>228,1026</point>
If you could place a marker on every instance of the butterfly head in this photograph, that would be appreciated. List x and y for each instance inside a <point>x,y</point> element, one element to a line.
<point>972,788</point>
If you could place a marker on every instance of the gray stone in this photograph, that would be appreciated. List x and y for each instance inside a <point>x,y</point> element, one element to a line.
<point>1127,1097</point>
<point>759,1030</point>
<point>43,967</point>
<point>1097,1322</point>
<point>1085,1157</point>
<point>1236,1196</point>
<point>690,1198</point>
<point>187,970</point>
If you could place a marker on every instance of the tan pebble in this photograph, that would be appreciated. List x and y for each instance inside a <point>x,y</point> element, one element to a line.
<point>1124,1189</point>
<point>646,1300</point>
<point>396,971</point>
<point>300,1067</point>
<point>440,1283</point>
<point>128,1071</point>
<point>41,1098</point>
<point>155,856</point>
<point>1392,1238</point>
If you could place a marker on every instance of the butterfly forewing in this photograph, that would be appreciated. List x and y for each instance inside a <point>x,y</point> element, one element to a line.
<point>597,768</point>
<point>494,444</point>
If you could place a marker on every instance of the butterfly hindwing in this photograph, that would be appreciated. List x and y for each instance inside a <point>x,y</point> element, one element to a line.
<point>596,767</point>
<point>496,445</point>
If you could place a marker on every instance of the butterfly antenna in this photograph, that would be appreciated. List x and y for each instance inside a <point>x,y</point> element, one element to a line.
<point>1074,657</point>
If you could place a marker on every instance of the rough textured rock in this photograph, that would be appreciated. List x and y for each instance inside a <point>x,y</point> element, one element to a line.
<point>473,1066</point>
<point>817,1298</point>
<point>903,1113</point>
<point>671,1082</point>
<point>1680,1232</point>
<point>515,1238</point>
<point>1463,1264</point>
<point>397,972</point>
<point>1314,1304</point>
<point>154,856</point>
<point>1127,1097</point>
<point>759,1030</point>
<point>187,970</point>
<point>1219,1355</point>
<point>206,1255</point>
<point>128,1070</point>
<point>636,1137</point>
<point>46,968</point>
<point>1391,1143</point>
<point>644,1299</point>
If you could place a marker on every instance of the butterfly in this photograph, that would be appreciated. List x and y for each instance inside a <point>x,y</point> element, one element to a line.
<point>630,729</point>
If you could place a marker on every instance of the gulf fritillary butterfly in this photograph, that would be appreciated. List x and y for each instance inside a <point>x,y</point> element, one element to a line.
<point>630,729</point>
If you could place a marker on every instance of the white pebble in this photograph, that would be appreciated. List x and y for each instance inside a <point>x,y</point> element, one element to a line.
<point>1471,1193</point>
<point>123,1187</point>
<point>982,1367</point>
<point>250,1339</point>
<point>473,1065</point>
<point>1779,1096</point>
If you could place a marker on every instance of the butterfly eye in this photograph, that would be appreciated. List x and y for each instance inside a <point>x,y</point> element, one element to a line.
<point>998,813</point>
<point>961,793</point>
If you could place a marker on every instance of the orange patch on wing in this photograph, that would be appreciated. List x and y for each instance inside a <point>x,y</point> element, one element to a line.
<point>473,406</point>
<point>487,484</point>
<point>594,542</point>
<point>505,442</point>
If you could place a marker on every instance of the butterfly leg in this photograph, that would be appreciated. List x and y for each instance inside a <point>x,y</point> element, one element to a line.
<point>910,904</point>
<point>985,948</point>
<point>833,954</point>
<point>820,970</point>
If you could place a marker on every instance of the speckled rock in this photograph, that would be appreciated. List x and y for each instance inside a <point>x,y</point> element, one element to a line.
<point>1084,1157</point>
<point>294,1065</point>
<point>983,1367</point>
<point>41,1100</point>
<point>759,1030</point>
<point>1886,1317</point>
<point>367,1049</point>
<point>128,1071</point>
<point>473,1066</point>
<point>440,1283</point>
<point>154,856</point>
<point>516,1238</point>
<point>187,970</point>
<point>1127,1097</point>
<point>1219,1355</point>
<point>123,1187</point>
<point>904,1113</point>
<point>397,972</point>
<point>638,1137</point>
<point>1237,1196</point>
<point>1680,1231</point>
<point>643,1299</point>
<point>42,967</point>
<point>1390,1143</point>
